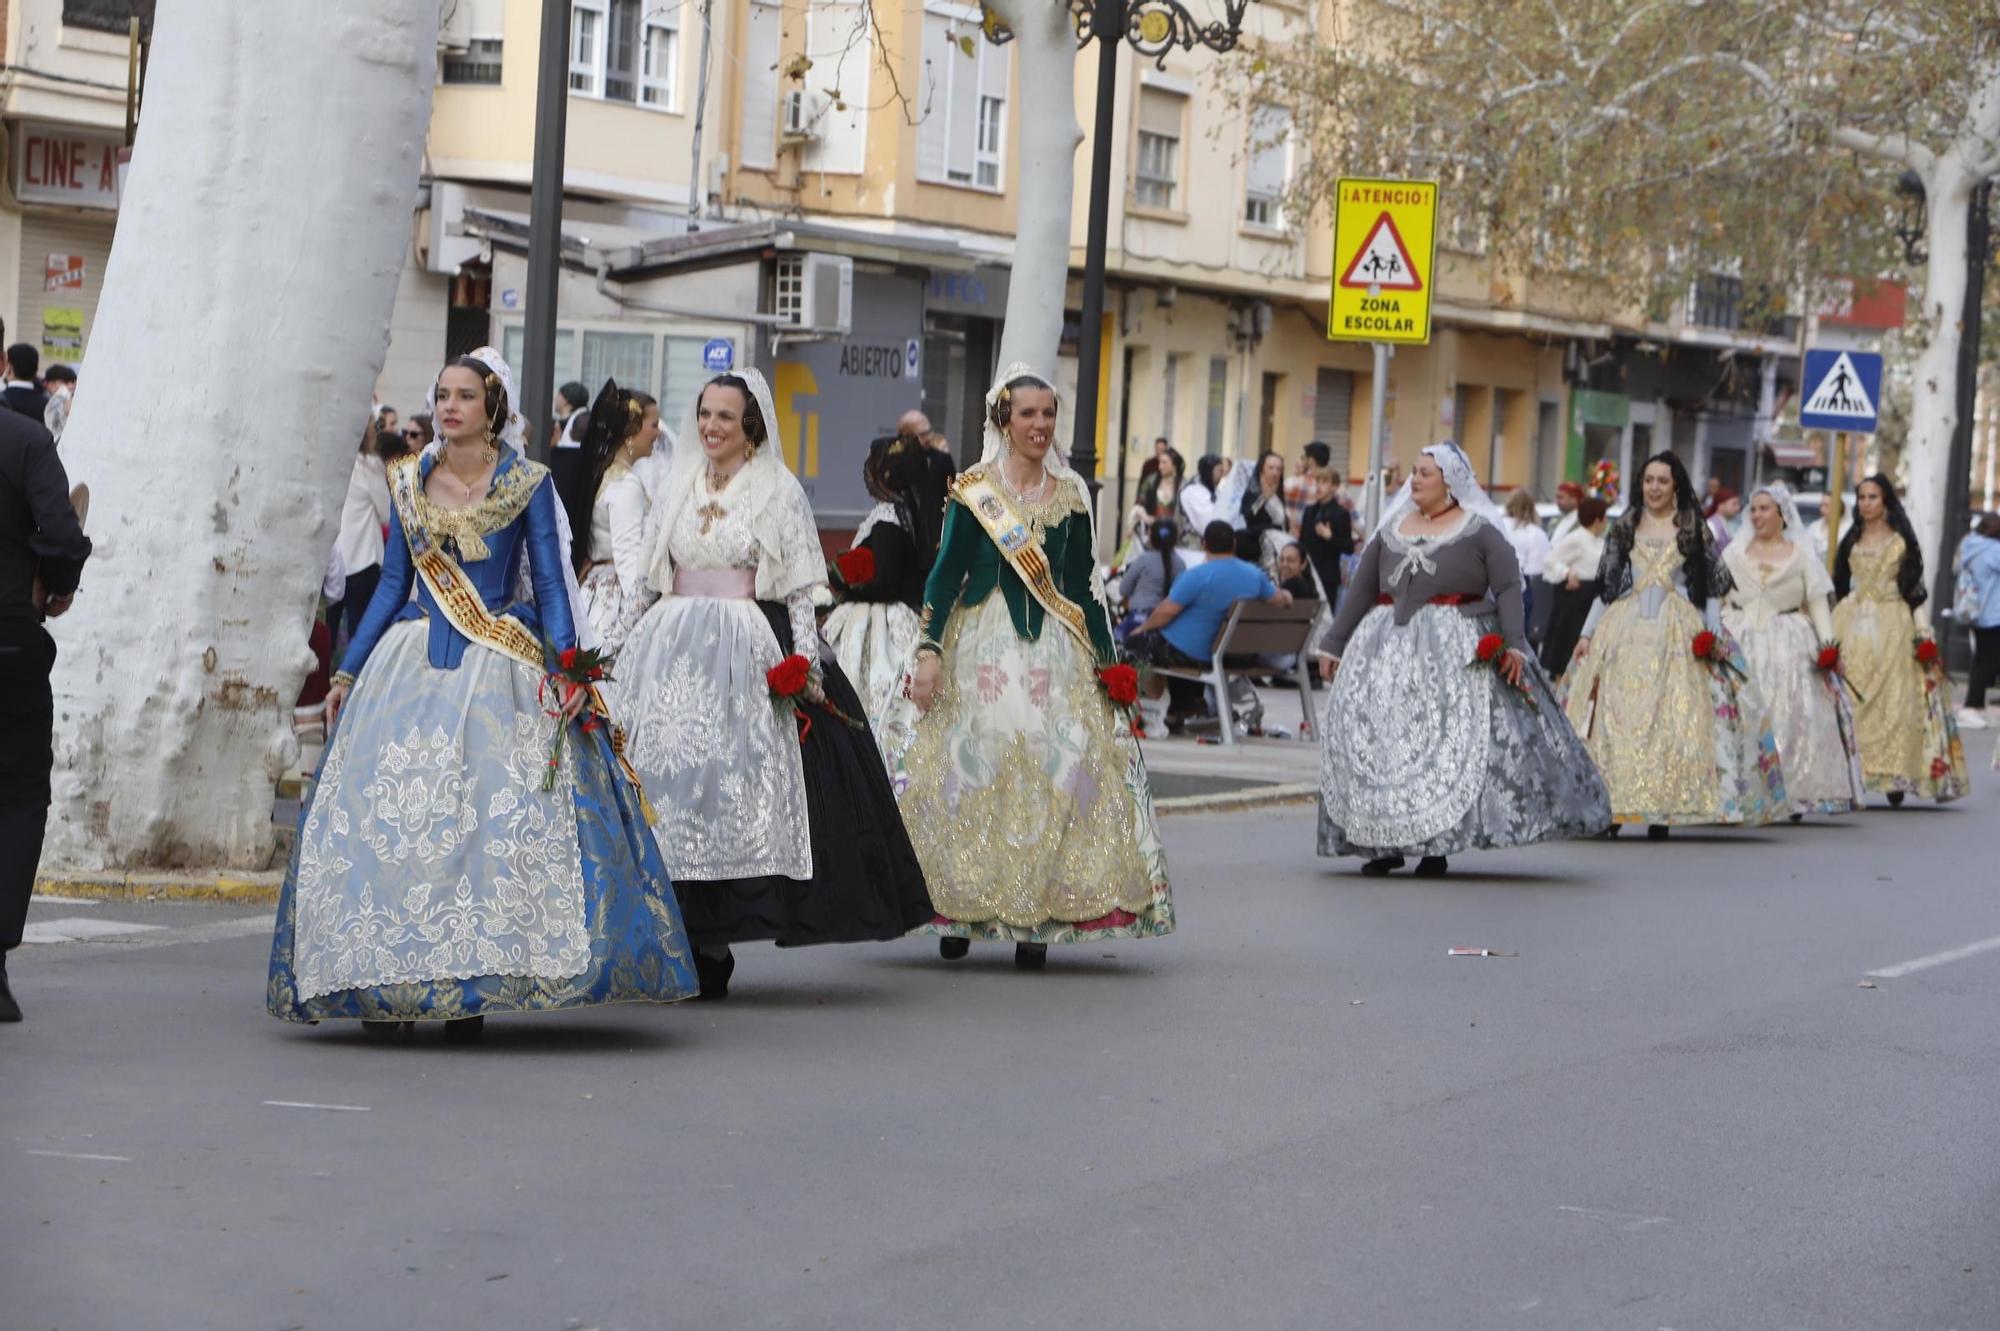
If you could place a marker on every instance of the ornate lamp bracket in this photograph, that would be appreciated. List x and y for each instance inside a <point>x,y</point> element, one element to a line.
<point>1154,27</point>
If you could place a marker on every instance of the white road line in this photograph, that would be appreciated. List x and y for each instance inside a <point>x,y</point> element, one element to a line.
<point>1897,972</point>
<point>81,929</point>
<point>240,927</point>
<point>81,1155</point>
<point>43,898</point>
<point>307,1104</point>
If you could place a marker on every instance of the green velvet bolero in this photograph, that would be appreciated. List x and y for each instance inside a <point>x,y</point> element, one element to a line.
<point>969,566</point>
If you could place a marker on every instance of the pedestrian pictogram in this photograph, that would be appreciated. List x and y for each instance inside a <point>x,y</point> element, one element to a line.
<point>1843,389</point>
<point>1384,261</point>
<point>1384,244</point>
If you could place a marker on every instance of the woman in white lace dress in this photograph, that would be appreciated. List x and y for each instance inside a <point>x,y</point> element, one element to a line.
<point>623,428</point>
<point>775,818</point>
<point>1780,612</point>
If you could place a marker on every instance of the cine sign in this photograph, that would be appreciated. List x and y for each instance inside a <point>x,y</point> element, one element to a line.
<point>1384,249</point>
<point>62,166</point>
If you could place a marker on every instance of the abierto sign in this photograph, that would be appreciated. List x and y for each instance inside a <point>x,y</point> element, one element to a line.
<point>57,165</point>
<point>1384,247</point>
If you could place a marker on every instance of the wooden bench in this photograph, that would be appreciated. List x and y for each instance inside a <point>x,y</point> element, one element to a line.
<point>1257,628</point>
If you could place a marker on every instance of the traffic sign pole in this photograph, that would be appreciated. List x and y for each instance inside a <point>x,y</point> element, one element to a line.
<point>1836,472</point>
<point>1378,405</point>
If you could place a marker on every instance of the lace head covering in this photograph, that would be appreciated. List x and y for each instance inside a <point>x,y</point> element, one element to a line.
<point>789,557</point>
<point>1818,582</point>
<point>997,446</point>
<point>513,433</point>
<point>1459,478</point>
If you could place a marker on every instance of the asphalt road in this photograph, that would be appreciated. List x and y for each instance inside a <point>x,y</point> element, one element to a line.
<point>1676,1107</point>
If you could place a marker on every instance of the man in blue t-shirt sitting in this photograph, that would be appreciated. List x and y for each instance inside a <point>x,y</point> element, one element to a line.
<point>1180,633</point>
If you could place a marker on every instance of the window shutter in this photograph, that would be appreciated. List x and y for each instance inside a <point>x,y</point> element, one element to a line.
<point>1270,128</point>
<point>964,136</point>
<point>1160,112</point>
<point>934,100</point>
<point>488,18</point>
<point>759,147</point>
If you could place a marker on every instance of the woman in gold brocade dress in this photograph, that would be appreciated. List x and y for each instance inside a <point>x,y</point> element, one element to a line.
<point>1902,708</point>
<point>1681,741</point>
<point>1022,784</point>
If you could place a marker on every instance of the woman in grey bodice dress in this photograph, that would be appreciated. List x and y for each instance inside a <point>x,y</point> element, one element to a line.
<point>1441,734</point>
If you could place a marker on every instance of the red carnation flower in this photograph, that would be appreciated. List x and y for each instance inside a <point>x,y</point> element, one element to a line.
<point>1704,645</point>
<point>789,677</point>
<point>856,566</point>
<point>1927,651</point>
<point>568,658</point>
<point>1829,657</point>
<point>1121,684</point>
<point>1489,647</point>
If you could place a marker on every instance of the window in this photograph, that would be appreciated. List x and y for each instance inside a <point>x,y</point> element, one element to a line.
<point>1156,181</point>
<point>962,139</point>
<point>622,53</point>
<point>514,346</point>
<point>1716,301</point>
<point>479,65</point>
<point>992,124</point>
<point>682,374</point>
<point>788,296</point>
<point>626,357</point>
<point>1269,167</point>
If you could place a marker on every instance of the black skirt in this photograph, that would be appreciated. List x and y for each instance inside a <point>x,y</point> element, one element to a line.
<point>1567,612</point>
<point>866,884</point>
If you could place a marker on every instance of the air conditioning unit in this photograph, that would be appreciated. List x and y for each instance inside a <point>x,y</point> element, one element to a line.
<point>455,26</point>
<point>815,292</point>
<point>804,109</point>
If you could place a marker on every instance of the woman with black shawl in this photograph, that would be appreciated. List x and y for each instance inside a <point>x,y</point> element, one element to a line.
<point>874,630</point>
<point>1902,704</point>
<point>1657,689</point>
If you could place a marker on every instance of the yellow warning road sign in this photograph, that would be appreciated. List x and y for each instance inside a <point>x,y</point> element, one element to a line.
<point>1384,248</point>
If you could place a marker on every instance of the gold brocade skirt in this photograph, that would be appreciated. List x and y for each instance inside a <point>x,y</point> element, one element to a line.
<point>1025,794</point>
<point>1679,741</point>
<point>1902,711</point>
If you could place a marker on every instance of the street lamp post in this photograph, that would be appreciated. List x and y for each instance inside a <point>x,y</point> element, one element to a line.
<point>545,200</point>
<point>1154,27</point>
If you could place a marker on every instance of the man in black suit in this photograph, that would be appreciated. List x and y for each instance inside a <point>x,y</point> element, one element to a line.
<point>42,549</point>
<point>567,466</point>
<point>23,394</point>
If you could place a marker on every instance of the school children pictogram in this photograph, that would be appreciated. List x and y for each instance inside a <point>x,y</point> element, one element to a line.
<point>1383,261</point>
<point>1384,245</point>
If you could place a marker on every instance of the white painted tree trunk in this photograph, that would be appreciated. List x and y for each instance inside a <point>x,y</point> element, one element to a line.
<point>1949,178</point>
<point>1046,46</point>
<point>244,320</point>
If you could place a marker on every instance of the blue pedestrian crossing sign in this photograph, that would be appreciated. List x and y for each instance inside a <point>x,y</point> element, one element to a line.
<point>1843,391</point>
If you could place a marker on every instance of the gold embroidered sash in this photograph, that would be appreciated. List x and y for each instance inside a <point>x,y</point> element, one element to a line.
<point>1021,550</point>
<point>465,610</point>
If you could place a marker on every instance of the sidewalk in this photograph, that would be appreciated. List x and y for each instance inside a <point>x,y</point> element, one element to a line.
<point>1198,773</point>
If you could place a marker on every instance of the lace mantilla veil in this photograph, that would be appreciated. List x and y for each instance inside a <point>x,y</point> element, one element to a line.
<point>789,558</point>
<point>1459,478</point>
<point>995,447</point>
<point>1818,581</point>
<point>514,434</point>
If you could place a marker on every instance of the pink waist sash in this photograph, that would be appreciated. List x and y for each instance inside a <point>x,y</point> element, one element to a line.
<point>724,584</point>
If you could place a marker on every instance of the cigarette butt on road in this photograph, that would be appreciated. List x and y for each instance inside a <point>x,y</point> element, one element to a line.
<point>1477,952</point>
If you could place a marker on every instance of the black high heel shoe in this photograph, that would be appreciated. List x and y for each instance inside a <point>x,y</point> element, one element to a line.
<point>954,949</point>
<point>1657,832</point>
<point>714,973</point>
<point>1430,866</point>
<point>465,1030</point>
<point>1895,799</point>
<point>1031,956</point>
<point>1383,867</point>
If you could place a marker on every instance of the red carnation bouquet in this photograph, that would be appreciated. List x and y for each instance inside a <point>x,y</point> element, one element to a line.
<point>1486,656</point>
<point>1121,684</point>
<point>1708,647</point>
<point>1927,651</point>
<point>575,669</point>
<point>1828,664</point>
<point>854,568</point>
<point>788,681</point>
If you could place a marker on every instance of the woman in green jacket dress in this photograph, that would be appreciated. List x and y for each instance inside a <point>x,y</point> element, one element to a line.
<point>1022,784</point>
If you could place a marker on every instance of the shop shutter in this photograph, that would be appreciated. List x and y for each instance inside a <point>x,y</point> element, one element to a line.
<point>45,236</point>
<point>1333,411</point>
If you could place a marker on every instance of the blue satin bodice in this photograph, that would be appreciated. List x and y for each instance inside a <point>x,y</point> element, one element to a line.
<point>533,532</point>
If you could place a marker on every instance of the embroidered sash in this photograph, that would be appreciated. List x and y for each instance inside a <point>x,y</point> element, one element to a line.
<point>1021,550</point>
<point>465,610</point>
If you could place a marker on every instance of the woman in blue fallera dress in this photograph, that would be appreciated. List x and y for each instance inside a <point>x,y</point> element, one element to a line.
<point>434,878</point>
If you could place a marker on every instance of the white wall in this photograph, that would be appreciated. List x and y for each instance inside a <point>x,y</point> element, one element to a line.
<point>416,338</point>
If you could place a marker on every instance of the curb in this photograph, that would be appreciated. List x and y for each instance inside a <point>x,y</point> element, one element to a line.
<point>1252,797</point>
<point>247,889</point>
